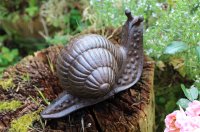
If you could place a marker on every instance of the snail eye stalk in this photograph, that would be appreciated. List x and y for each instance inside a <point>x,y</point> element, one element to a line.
<point>128,14</point>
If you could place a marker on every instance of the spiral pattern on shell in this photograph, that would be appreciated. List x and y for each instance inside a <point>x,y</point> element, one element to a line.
<point>88,66</point>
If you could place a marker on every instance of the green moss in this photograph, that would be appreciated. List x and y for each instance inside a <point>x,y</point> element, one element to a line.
<point>23,123</point>
<point>6,84</point>
<point>9,105</point>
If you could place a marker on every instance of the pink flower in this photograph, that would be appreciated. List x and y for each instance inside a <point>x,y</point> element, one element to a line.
<point>193,108</point>
<point>181,119</point>
<point>170,122</point>
<point>191,124</point>
<point>178,121</point>
<point>184,121</point>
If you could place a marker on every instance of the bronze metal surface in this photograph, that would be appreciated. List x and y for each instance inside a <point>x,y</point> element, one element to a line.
<point>92,69</point>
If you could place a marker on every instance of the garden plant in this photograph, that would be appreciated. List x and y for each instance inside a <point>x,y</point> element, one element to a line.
<point>171,39</point>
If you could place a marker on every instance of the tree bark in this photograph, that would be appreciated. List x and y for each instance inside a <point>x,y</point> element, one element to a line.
<point>132,110</point>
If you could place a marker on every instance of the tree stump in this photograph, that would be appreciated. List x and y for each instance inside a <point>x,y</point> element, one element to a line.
<point>33,82</point>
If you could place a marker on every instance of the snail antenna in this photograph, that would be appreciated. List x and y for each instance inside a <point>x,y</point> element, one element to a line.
<point>128,14</point>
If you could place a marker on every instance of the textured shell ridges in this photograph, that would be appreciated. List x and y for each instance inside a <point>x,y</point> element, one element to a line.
<point>88,66</point>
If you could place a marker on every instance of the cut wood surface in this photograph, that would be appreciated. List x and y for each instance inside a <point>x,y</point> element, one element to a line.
<point>33,83</point>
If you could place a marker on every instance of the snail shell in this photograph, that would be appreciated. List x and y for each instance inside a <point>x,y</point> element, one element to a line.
<point>89,66</point>
<point>91,69</point>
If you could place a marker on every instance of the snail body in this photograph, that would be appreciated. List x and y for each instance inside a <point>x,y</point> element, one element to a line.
<point>91,69</point>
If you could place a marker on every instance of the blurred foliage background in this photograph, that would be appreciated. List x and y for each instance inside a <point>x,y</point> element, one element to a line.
<point>171,36</point>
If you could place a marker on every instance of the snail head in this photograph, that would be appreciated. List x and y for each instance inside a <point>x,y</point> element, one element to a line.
<point>133,20</point>
<point>131,26</point>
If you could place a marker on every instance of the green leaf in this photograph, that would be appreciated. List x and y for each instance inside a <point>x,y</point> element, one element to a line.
<point>32,11</point>
<point>183,102</point>
<point>5,50</point>
<point>2,68</point>
<point>184,90</point>
<point>198,52</point>
<point>191,93</point>
<point>194,92</point>
<point>32,2</point>
<point>15,52</point>
<point>176,46</point>
<point>3,37</point>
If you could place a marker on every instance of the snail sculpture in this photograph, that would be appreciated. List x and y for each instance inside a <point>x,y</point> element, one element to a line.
<point>92,69</point>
